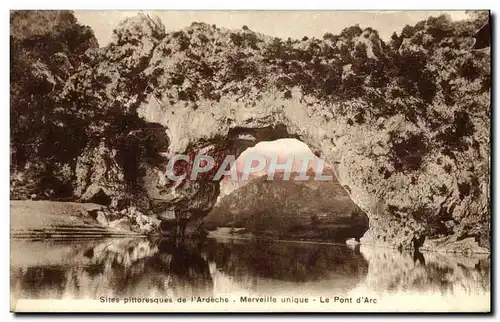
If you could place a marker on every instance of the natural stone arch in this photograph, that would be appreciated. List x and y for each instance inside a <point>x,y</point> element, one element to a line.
<point>416,163</point>
<point>226,131</point>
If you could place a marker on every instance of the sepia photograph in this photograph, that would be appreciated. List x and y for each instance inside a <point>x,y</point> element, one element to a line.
<point>250,161</point>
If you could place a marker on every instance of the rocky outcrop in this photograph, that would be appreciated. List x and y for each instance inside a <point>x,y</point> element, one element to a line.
<point>99,178</point>
<point>42,219</point>
<point>289,209</point>
<point>405,125</point>
<point>128,219</point>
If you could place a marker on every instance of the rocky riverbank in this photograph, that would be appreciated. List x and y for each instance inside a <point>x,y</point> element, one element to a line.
<point>72,220</point>
<point>52,219</point>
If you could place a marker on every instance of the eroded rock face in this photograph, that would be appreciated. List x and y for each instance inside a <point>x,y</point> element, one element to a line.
<point>99,179</point>
<point>404,125</point>
<point>128,219</point>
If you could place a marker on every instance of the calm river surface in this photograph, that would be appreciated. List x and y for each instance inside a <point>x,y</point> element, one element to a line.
<point>90,269</point>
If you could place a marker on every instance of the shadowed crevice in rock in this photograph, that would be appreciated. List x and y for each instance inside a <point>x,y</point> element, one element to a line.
<point>100,198</point>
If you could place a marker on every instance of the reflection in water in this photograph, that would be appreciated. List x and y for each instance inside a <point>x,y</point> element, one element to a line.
<point>141,268</point>
<point>447,274</point>
<point>107,268</point>
<point>271,268</point>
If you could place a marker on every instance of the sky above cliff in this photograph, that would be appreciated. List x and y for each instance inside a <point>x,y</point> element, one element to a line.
<point>283,24</point>
<point>285,150</point>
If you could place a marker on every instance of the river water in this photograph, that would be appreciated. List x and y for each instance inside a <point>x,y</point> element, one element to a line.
<point>93,269</point>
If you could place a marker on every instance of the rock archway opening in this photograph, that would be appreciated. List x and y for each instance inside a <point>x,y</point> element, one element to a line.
<point>280,188</point>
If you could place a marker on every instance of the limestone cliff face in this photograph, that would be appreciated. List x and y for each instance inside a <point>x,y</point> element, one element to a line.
<point>404,125</point>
